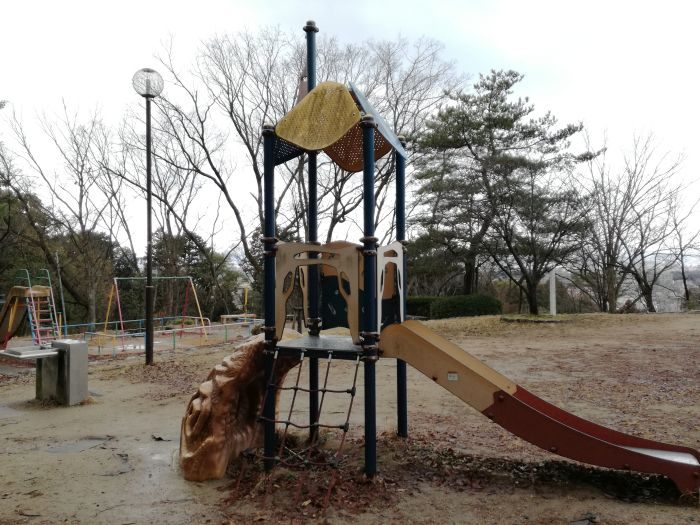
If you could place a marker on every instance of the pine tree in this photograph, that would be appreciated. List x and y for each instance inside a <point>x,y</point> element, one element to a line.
<point>483,190</point>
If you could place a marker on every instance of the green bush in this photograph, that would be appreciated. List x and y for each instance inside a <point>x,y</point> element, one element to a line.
<point>419,305</point>
<point>464,305</point>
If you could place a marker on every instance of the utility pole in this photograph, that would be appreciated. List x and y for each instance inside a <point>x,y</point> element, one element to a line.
<point>63,301</point>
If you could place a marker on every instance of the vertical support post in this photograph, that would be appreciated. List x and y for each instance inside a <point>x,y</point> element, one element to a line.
<point>369,315</point>
<point>119,309</point>
<point>553,291</point>
<point>149,242</point>
<point>199,309</point>
<point>269,268</point>
<point>311,29</point>
<point>313,283</point>
<point>401,377</point>
<point>63,301</point>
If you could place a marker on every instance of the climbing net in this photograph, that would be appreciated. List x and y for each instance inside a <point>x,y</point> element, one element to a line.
<point>309,455</point>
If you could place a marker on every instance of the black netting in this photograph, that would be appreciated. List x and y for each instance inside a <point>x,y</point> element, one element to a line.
<point>285,151</point>
<point>382,125</point>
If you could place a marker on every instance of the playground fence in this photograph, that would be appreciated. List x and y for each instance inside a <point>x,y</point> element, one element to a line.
<point>170,334</point>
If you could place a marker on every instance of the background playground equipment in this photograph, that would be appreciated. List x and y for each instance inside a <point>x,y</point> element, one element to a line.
<point>363,288</point>
<point>176,324</point>
<point>246,298</point>
<point>34,302</point>
<point>243,318</point>
<point>183,328</point>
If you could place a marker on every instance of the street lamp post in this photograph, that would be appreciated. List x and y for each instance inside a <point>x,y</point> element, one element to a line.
<point>148,83</point>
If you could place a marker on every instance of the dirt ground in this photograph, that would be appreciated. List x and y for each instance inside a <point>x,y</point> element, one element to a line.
<point>114,459</point>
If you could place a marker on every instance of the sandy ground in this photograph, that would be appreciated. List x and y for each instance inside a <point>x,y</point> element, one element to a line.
<point>114,459</point>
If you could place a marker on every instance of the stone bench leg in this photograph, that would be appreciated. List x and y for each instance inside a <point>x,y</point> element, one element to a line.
<point>63,377</point>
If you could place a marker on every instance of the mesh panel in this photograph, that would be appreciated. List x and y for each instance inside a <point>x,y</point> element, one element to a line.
<point>285,151</point>
<point>321,118</point>
<point>347,152</point>
<point>382,124</point>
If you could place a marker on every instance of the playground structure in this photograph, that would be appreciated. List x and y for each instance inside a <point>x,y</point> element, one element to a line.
<point>173,325</point>
<point>340,121</point>
<point>184,328</point>
<point>34,302</point>
<point>363,288</point>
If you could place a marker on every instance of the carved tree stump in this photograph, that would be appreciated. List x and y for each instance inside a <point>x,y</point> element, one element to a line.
<point>221,418</point>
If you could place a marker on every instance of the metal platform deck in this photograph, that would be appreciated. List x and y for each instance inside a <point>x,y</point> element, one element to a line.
<point>338,346</point>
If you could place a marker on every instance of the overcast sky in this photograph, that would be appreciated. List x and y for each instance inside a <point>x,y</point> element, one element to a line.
<point>620,67</point>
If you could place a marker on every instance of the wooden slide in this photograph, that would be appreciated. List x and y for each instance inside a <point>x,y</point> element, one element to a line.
<point>530,417</point>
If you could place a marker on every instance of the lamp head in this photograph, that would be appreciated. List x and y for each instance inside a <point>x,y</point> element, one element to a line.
<point>147,82</point>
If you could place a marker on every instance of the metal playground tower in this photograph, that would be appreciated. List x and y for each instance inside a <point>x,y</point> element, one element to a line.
<point>342,123</point>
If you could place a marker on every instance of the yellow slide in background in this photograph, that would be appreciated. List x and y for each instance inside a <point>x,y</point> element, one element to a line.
<point>15,309</point>
<point>530,417</point>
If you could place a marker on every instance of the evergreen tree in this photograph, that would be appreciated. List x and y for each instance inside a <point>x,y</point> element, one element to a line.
<point>479,181</point>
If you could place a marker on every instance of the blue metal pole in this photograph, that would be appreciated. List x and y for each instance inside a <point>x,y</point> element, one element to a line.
<point>369,317</point>
<point>401,379</point>
<point>314,319</point>
<point>149,242</point>
<point>269,241</point>
<point>311,29</point>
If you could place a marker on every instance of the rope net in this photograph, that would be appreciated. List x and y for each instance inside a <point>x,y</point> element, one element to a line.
<point>310,454</point>
<point>306,455</point>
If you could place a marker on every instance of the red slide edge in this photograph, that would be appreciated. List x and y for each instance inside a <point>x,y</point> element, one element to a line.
<point>555,430</point>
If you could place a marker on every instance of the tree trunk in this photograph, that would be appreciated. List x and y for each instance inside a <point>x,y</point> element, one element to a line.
<point>169,307</point>
<point>92,306</point>
<point>520,299</point>
<point>611,289</point>
<point>532,298</point>
<point>648,297</point>
<point>469,276</point>
<point>686,292</point>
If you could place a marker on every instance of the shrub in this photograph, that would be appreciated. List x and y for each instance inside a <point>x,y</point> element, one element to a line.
<point>419,305</point>
<point>464,305</point>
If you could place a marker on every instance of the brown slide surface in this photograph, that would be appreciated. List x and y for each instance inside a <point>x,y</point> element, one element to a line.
<point>12,313</point>
<point>530,417</point>
<point>15,308</point>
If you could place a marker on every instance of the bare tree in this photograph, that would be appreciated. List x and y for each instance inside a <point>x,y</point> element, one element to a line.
<point>214,116</point>
<point>630,224</point>
<point>80,211</point>
<point>177,193</point>
<point>6,168</point>
<point>684,240</point>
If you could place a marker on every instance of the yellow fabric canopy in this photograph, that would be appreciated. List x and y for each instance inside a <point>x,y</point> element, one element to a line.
<point>328,119</point>
<point>321,118</point>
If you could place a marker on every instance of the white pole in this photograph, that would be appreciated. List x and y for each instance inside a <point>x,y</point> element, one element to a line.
<point>553,292</point>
